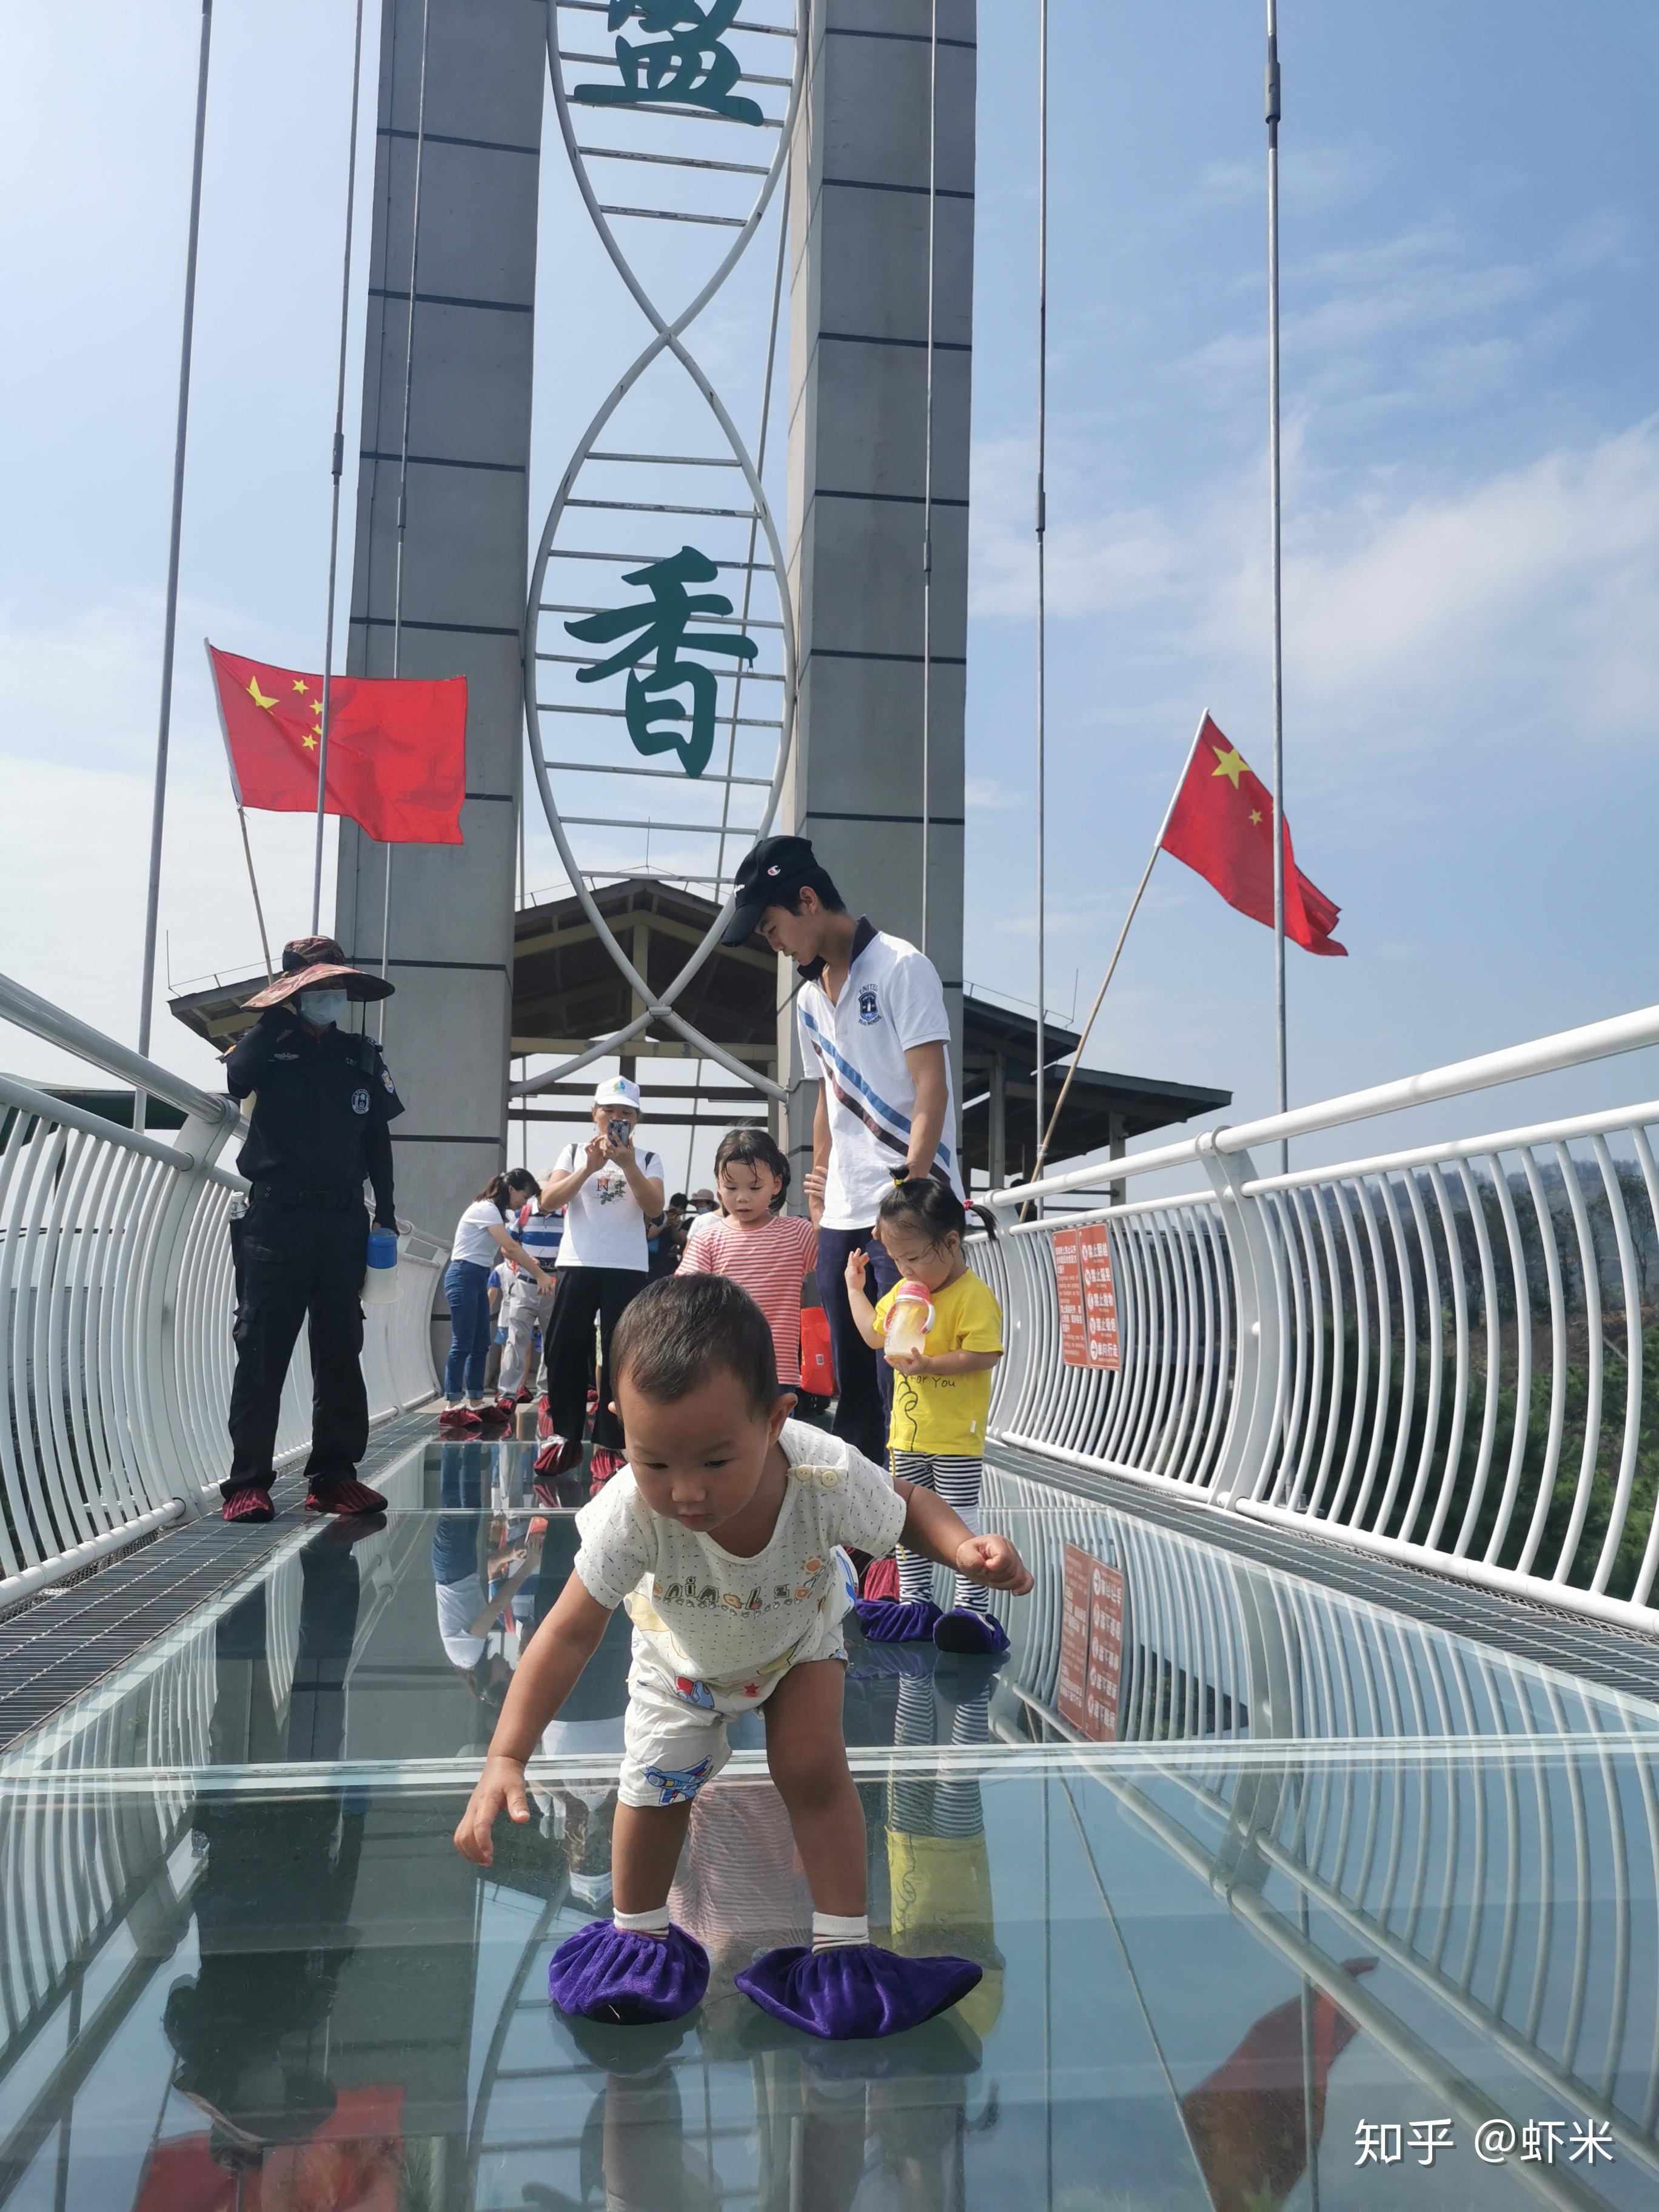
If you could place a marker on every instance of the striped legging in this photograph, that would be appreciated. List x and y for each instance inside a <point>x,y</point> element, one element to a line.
<point>956,1481</point>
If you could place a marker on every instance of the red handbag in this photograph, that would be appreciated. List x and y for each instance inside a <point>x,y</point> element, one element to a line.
<point>818,1365</point>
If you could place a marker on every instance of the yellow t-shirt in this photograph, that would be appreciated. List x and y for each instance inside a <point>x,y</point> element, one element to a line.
<point>946,1413</point>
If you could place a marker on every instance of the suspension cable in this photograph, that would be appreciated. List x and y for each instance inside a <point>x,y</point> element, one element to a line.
<point>338,464</point>
<point>170,621</point>
<point>747,594</point>
<point>1042,569</point>
<point>403,450</point>
<point>927,466</point>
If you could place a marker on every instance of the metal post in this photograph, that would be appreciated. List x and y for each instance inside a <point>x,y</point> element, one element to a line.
<point>170,621</point>
<point>1283,1063</point>
<point>1041,576</point>
<point>339,462</point>
<point>927,465</point>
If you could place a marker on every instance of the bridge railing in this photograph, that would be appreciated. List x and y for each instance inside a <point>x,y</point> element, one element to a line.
<point>116,1304</point>
<point>1445,1354</point>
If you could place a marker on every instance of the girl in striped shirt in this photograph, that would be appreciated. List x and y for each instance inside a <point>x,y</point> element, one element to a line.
<point>768,1252</point>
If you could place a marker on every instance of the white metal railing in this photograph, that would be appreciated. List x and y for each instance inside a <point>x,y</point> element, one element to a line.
<point>1440,1354</point>
<point>116,1302</point>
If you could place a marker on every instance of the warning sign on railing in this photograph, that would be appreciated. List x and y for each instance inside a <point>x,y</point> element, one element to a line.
<point>1091,1646</point>
<point>1087,1296</point>
<point>1099,1294</point>
<point>1068,1279</point>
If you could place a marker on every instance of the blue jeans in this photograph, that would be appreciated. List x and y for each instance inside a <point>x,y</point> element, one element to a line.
<point>864,1381</point>
<point>467,1286</point>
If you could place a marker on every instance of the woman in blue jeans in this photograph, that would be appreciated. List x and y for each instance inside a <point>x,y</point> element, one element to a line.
<point>481,1236</point>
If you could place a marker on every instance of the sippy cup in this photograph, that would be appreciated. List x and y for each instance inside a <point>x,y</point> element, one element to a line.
<point>909,1319</point>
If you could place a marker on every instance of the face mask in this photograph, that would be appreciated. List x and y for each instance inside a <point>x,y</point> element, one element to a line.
<point>323,1007</point>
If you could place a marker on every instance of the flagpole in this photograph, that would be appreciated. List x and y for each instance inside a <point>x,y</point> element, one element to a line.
<point>1274,506</point>
<point>1041,570</point>
<point>339,464</point>
<point>1140,889</point>
<point>170,621</point>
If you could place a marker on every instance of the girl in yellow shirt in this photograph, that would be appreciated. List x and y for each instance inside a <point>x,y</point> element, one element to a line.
<point>941,1401</point>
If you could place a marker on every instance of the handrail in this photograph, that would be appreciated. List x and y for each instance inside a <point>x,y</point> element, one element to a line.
<point>1434,1354</point>
<point>26,1100</point>
<point>39,1015</point>
<point>1546,1055</point>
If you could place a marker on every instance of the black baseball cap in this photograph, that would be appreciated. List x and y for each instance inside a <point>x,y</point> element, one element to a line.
<point>768,874</point>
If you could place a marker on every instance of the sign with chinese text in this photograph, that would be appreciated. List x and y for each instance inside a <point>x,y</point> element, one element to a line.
<point>1068,1280</point>
<point>1091,1646</point>
<point>1099,1293</point>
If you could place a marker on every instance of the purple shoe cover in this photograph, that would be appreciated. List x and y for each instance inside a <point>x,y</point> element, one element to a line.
<point>961,1630</point>
<point>610,1973</point>
<point>896,1621</point>
<point>855,1990</point>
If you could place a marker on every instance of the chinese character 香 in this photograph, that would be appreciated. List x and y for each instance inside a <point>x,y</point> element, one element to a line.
<point>664,637</point>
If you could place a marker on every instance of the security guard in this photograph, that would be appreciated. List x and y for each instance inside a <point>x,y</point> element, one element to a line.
<point>322,1099</point>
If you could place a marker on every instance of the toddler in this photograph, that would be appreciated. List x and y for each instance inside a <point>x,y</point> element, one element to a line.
<point>724,1538</point>
<point>769,1251</point>
<point>941,1402</point>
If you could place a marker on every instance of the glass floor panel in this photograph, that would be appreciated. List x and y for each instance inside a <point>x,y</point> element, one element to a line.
<point>397,1644</point>
<point>1214,1979</point>
<point>1272,1889</point>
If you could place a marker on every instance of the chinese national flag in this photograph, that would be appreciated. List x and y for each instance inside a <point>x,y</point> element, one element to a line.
<point>1222,825</point>
<point>397,747</point>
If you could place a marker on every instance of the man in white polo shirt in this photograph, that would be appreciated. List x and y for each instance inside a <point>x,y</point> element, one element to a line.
<point>874,1035</point>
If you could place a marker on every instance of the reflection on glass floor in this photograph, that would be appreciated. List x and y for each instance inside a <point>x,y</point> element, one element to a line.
<point>1337,1885</point>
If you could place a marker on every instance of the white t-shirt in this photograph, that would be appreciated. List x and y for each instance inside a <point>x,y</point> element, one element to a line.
<point>892,1002</point>
<point>702,1612</point>
<point>603,1226</point>
<point>473,1241</point>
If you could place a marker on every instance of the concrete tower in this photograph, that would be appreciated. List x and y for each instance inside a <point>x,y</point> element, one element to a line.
<point>859,376</point>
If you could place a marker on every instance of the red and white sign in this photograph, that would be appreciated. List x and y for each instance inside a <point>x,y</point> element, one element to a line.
<point>1099,1294</point>
<point>1091,1646</point>
<point>1068,1280</point>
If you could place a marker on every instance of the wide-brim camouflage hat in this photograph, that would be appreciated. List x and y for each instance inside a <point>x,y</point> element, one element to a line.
<point>314,964</point>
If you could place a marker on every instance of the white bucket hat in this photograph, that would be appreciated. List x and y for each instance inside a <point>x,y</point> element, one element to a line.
<point>617,1091</point>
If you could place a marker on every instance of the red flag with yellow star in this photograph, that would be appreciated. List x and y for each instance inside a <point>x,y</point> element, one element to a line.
<point>397,747</point>
<point>1222,824</point>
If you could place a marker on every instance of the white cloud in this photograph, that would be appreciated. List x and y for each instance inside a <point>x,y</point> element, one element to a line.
<point>1539,582</point>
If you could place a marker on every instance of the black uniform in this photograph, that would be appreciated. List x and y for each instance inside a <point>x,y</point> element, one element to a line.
<point>321,1108</point>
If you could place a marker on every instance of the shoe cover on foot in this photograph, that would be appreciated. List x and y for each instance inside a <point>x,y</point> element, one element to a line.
<point>857,1989</point>
<point>611,1973</point>
<point>962,1630</point>
<point>896,1621</point>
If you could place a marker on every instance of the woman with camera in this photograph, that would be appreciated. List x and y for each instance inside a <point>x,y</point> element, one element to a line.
<point>609,1191</point>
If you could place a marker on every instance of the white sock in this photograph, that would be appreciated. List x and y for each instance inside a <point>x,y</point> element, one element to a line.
<point>833,1931</point>
<point>655,1922</point>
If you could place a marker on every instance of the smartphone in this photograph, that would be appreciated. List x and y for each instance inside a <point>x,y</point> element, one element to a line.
<point>618,1132</point>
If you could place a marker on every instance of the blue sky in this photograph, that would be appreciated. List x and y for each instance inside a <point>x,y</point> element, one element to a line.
<point>1472,502</point>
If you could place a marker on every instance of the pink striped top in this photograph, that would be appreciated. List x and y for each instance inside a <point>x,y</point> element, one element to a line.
<point>770,1264</point>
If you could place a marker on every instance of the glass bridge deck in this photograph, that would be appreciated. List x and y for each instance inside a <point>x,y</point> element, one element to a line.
<point>1282,1900</point>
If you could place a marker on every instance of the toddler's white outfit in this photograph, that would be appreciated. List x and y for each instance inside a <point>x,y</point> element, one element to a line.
<point>714,1634</point>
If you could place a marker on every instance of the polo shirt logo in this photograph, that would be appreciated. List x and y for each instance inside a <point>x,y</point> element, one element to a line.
<point>869,1007</point>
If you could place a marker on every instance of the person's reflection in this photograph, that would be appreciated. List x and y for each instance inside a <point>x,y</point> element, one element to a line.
<point>485,1567</point>
<point>274,1894</point>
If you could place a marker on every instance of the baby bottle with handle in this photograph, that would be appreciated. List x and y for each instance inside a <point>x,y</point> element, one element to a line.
<point>380,1274</point>
<point>909,1320</point>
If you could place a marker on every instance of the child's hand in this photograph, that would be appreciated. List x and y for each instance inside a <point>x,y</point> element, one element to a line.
<point>910,1362</point>
<point>993,1561</point>
<point>501,1784</point>
<point>857,1262</point>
